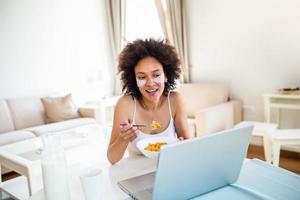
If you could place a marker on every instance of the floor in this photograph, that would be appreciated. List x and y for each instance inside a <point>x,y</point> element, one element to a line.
<point>8,176</point>
<point>288,160</point>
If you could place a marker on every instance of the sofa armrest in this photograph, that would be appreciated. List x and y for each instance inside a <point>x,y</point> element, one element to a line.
<point>94,111</point>
<point>237,107</point>
<point>215,118</point>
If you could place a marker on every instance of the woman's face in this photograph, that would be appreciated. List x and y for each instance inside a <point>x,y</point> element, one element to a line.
<point>150,78</point>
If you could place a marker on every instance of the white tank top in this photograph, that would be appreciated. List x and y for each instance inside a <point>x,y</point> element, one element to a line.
<point>168,132</point>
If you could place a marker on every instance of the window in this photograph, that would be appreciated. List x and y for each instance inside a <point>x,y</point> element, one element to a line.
<point>142,20</point>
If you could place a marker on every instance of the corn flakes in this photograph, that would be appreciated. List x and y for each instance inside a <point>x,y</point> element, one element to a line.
<point>155,146</point>
<point>155,125</point>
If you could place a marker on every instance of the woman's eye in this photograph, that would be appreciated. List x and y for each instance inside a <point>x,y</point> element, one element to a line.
<point>141,78</point>
<point>156,75</point>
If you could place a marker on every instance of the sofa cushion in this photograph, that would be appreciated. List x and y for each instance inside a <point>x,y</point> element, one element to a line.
<point>61,126</point>
<point>60,108</point>
<point>6,123</point>
<point>197,96</point>
<point>15,136</point>
<point>26,111</point>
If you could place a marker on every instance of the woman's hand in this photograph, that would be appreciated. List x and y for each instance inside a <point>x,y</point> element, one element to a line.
<point>127,132</point>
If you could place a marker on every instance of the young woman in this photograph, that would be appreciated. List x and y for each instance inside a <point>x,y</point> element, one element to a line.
<point>149,69</point>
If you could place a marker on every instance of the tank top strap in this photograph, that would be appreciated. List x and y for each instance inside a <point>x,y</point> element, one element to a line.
<point>134,111</point>
<point>169,104</point>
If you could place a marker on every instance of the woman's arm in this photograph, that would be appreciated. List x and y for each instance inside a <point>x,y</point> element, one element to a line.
<point>121,134</point>
<point>180,115</point>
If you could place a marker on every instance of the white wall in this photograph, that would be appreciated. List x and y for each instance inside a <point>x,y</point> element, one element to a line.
<point>254,46</point>
<point>53,46</point>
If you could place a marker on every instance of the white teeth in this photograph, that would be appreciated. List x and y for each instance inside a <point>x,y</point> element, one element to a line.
<point>151,90</point>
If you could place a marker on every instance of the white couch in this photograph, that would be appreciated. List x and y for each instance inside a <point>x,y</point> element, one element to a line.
<point>24,118</point>
<point>209,107</point>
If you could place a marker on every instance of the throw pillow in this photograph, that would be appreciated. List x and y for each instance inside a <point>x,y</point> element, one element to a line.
<point>60,108</point>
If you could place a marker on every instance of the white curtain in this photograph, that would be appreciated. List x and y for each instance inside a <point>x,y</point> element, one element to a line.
<point>116,23</point>
<point>172,14</point>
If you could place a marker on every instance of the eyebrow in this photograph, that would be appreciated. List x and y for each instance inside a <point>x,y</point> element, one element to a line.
<point>157,70</point>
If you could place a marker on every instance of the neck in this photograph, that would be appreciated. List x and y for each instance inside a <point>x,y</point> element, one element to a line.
<point>151,105</point>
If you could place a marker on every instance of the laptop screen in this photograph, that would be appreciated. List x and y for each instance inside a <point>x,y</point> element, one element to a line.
<point>193,167</point>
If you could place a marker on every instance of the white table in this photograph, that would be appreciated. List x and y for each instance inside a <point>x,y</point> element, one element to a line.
<point>283,137</point>
<point>11,156</point>
<point>280,101</point>
<point>79,155</point>
<point>263,130</point>
<point>126,168</point>
<point>255,175</point>
<point>24,157</point>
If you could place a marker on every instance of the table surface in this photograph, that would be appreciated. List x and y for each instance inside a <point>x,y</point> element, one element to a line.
<point>128,167</point>
<point>83,152</point>
<point>255,175</point>
<point>287,96</point>
<point>260,128</point>
<point>257,180</point>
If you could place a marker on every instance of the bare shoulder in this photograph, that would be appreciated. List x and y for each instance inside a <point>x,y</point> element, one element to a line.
<point>176,97</point>
<point>125,99</point>
<point>125,102</point>
<point>176,101</point>
<point>124,108</point>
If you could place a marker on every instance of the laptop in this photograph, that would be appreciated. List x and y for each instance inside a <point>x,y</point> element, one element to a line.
<point>193,167</point>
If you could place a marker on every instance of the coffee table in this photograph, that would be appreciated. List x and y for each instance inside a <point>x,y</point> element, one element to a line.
<point>11,156</point>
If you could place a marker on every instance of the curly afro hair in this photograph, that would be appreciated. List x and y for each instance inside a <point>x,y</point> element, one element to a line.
<point>139,49</point>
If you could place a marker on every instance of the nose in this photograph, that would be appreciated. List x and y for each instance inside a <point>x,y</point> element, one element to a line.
<point>149,81</point>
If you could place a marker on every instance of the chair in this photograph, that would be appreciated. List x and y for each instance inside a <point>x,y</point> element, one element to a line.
<point>209,107</point>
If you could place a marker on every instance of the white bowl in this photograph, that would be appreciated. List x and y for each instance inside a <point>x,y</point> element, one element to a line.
<point>153,154</point>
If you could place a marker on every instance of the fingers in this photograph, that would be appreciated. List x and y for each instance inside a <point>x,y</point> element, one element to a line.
<point>131,136</point>
<point>125,127</point>
<point>127,132</point>
<point>124,124</point>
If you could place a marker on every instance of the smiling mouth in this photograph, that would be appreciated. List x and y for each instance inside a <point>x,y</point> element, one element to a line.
<point>152,91</point>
